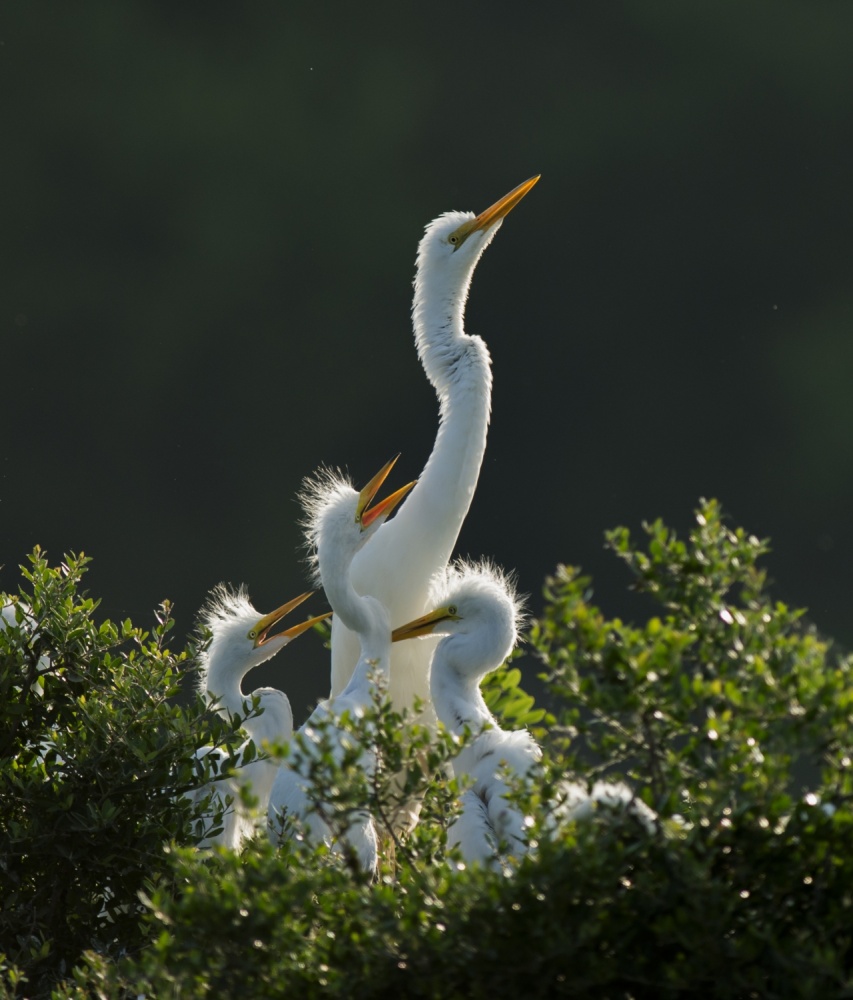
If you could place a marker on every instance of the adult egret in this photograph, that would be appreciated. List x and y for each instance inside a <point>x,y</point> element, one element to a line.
<point>478,617</point>
<point>400,562</point>
<point>340,521</point>
<point>242,640</point>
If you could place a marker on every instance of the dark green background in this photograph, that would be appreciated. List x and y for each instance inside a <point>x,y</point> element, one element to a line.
<point>210,219</point>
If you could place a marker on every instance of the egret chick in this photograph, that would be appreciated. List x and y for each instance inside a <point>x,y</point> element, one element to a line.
<point>242,640</point>
<point>340,521</point>
<point>577,802</point>
<point>478,617</point>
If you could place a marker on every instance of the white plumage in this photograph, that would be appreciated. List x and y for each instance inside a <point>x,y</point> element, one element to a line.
<point>406,553</point>
<point>241,641</point>
<point>9,614</point>
<point>478,615</point>
<point>577,802</point>
<point>339,523</point>
<point>472,831</point>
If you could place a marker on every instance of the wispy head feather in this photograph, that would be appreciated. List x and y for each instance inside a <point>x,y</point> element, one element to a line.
<point>227,610</point>
<point>481,577</point>
<point>224,604</point>
<point>317,492</point>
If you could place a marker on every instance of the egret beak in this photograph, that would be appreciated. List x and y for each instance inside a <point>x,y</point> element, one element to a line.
<point>365,514</point>
<point>425,624</point>
<point>259,633</point>
<point>493,214</point>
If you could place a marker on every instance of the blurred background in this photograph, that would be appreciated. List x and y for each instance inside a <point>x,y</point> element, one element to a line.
<point>209,230</point>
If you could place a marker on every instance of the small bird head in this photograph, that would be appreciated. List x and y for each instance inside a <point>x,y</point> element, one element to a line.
<point>455,240</point>
<point>339,519</point>
<point>259,633</point>
<point>242,638</point>
<point>478,601</point>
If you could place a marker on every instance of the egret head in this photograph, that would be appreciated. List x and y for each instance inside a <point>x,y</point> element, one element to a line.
<point>452,243</point>
<point>242,638</point>
<point>339,519</point>
<point>477,601</point>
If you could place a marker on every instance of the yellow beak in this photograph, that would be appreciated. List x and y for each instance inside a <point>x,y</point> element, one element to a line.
<point>259,633</point>
<point>425,624</point>
<point>493,214</point>
<point>365,514</point>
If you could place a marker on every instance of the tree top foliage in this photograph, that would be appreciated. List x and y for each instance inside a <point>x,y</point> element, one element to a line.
<point>727,714</point>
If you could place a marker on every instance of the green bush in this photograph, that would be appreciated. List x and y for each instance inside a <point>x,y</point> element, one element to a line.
<point>94,757</point>
<point>730,718</point>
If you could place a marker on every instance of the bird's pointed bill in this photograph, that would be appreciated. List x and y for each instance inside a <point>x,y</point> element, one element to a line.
<point>385,507</point>
<point>296,630</point>
<point>425,624</point>
<point>367,514</point>
<point>494,213</point>
<point>260,632</point>
<point>369,492</point>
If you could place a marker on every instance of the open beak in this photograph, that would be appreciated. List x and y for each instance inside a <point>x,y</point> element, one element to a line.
<point>425,624</point>
<point>260,631</point>
<point>364,513</point>
<point>493,214</point>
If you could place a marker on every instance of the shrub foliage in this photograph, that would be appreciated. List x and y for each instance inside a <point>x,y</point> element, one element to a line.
<point>94,757</point>
<point>726,713</point>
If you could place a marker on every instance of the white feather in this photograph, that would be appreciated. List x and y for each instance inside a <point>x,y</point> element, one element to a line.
<point>398,566</point>
<point>333,527</point>
<point>478,637</point>
<point>230,616</point>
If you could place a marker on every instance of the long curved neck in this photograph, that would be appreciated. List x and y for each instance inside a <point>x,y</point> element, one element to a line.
<point>459,368</point>
<point>455,694</point>
<point>363,615</point>
<point>374,663</point>
<point>223,683</point>
<point>348,606</point>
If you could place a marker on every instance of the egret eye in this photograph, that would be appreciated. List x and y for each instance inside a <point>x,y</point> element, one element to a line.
<point>452,609</point>
<point>453,239</point>
<point>253,634</point>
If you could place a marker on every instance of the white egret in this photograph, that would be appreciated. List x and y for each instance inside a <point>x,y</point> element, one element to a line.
<point>241,640</point>
<point>478,617</point>
<point>400,562</point>
<point>340,522</point>
<point>575,801</point>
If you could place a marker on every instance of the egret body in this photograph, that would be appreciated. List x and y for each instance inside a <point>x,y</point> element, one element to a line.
<point>240,641</point>
<point>340,522</point>
<point>478,617</point>
<point>398,566</point>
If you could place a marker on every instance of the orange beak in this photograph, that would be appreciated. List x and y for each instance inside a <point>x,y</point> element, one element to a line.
<point>494,214</point>
<point>259,633</point>
<point>425,624</point>
<point>366,514</point>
